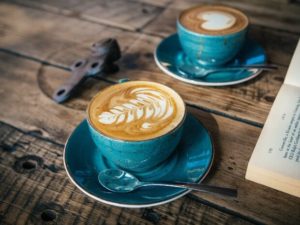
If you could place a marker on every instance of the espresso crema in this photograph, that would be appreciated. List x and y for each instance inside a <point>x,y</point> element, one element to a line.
<point>136,110</point>
<point>213,20</point>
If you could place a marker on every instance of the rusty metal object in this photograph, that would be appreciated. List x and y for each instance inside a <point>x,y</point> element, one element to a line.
<point>103,55</point>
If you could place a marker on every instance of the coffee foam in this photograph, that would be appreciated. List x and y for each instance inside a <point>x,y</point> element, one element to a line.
<point>136,110</point>
<point>214,20</point>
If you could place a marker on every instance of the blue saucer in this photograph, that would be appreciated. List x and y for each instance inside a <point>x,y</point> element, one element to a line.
<point>190,163</point>
<point>169,55</point>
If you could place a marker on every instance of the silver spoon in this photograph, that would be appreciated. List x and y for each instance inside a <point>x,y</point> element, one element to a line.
<point>199,72</point>
<point>116,180</point>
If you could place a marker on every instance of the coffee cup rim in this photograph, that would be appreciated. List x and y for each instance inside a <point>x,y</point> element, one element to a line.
<point>212,35</point>
<point>136,141</point>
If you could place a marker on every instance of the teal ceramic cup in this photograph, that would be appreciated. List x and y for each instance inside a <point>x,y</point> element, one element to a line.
<point>137,156</point>
<point>210,50</point>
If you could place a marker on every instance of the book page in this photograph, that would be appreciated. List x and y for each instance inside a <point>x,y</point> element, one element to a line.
<point>275,161</point>
<point>293,73</point>
<point>278,148</point>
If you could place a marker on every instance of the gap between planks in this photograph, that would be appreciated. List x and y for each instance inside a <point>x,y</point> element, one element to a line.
<point>223,209</point>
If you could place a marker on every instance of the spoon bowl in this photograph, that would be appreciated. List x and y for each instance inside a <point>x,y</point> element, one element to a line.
<point>118,180</point>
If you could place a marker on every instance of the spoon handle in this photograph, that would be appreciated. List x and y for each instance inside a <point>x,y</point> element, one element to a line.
<point>246,67</point>
<point>229,192</point>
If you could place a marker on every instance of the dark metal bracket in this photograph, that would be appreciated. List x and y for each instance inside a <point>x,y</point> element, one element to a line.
<point>101,61</point>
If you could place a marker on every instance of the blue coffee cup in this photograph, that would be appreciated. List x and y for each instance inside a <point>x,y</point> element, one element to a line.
<point>209,50</point>
<point>137,156</point>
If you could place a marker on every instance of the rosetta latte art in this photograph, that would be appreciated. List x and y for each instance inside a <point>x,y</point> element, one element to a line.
<point>136,110</point>
<point>139,109</point>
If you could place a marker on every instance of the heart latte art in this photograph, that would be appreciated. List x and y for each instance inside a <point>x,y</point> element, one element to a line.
<point>216,20</point>
<point>136,110</point>
<point>213,20</point>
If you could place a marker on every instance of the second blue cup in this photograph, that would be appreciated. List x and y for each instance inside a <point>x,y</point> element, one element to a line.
<point>211,48</point>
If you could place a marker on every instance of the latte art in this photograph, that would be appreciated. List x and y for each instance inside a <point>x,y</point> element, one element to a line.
<point>145,105</point>
<point>136,110</point>
<point>213,20</point>
<point>216,20</point>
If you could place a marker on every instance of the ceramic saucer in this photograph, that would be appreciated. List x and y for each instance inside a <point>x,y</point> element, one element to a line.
<point>169,56</point>
<point>190,162</point>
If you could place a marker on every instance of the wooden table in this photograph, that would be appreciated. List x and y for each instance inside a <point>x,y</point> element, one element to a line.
<point>40,39</point>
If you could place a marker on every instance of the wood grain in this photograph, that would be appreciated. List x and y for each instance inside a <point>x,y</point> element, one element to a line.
<point>35,189</point>
<point>21,100</point>
<point>52,40</point>
<point>30,109</point>
<point>125,14</point>
<point>56,39</point>
<point>56,6</point>
<point>129,15</point>
<point>156,2</point>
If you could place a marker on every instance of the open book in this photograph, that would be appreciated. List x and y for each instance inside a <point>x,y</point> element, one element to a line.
<point>275,161</point>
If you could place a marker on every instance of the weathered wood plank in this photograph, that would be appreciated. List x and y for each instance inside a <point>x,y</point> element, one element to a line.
<point>55,39</point>
<point>156,2</point>
<point>125,14</point>
<point>35,189</point>
<point>278,14</point>
<point>57,6</point>
<point>29,108</point>
<point>52,40</point>
<point>283,8</point>
<point>255,96</point>
<point>28,83</point>
<point>129,15</point>
<point>279,45</point>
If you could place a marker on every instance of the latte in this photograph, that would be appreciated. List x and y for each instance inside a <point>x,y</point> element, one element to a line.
<point>213,20</point>
<point>136,110</point>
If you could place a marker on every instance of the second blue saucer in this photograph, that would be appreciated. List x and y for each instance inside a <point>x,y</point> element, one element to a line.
<point>169,55</point>
<point>189,163</point>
